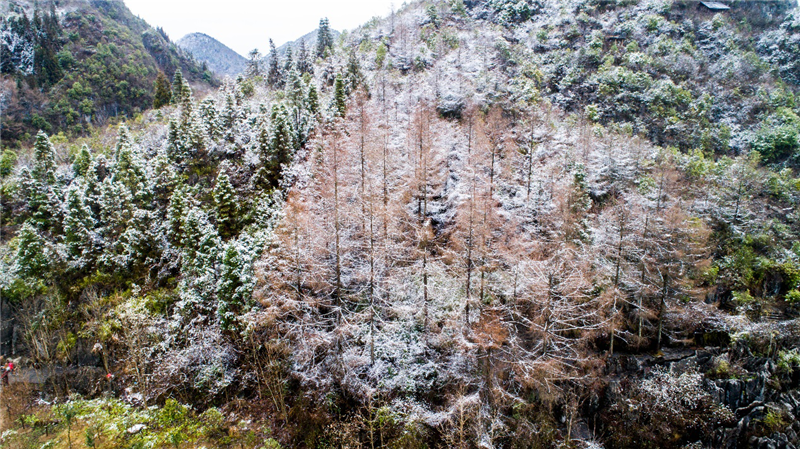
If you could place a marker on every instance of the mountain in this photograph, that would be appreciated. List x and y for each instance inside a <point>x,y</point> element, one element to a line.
<point>220,59</point>
<point>482,224</point>
<point>71,65</point>
<point>310,40</point>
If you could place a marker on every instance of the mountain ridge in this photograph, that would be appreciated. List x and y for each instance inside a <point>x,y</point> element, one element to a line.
<point>220,58</point>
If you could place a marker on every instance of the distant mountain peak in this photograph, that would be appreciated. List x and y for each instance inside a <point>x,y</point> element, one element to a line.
<point>219,58</point>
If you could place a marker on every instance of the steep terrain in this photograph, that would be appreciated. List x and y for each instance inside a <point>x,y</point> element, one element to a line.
<point>220,59</point>
<point>470,224</point>
<point>72,65</point>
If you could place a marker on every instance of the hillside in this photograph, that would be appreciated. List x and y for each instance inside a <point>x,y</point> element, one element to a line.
<point>483,224</point>
<point>220,59</point>
<point>75,66</point>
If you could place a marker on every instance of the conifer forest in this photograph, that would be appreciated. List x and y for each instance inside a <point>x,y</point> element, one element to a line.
<point>464,224</point>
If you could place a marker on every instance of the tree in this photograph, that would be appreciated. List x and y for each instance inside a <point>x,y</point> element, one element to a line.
<point>31,260</point>
<point>226,204</point>
<point>303,65</point>
<point>79,225</point>
<point>83,161</point>
<point>177,87</point>
<point>288,63</point>
<point>312,100</point>
<point>324,39</point>
<point>234,288</point>
<point>44,160</point>
<point>163,95</point>
<point>129,169</point>
<point>279,144</point>
<point>253,64</point>
<point>354,76</point>
<point>339,97</point>
<point>274,75</point>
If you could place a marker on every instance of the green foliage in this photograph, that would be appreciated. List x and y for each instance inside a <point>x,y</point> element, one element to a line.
<point>340,97</point>
<point>779,137</point>
<point>380,55</point>
<point>162,95</point>
<point>743,298</point>
<point>7,162</point>
<point>226,202</point>
<point>324,39</point>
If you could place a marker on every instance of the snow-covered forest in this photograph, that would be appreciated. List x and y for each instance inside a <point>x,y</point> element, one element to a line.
<point>467,224</point>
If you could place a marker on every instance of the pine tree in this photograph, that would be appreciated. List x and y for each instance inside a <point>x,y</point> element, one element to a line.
<point>210,118</point>
<point>200,242</point>
<point>312,102</point>
<point>163,95</point>
<point>177,87</point>
<point>274,70</point>
<point>295,89</point>
<point>43,202</point>
<point>340,97</point>
<point>579,203</point>
<point>78,226</point>
<point>44,160</point>
<point>253,64</point>
<point>176,150</point>
<point>163,179</point>
<point>226,203</point>
<point>234,287</point>
<point>324,39</point>
<point>288,64</point>
<point>280,146</point>
<point>354,76</point>
<point>302,64</point>
<point>30,260</point>
<point>129,169</point>
<point>83,161</point>
<point>179,205</point>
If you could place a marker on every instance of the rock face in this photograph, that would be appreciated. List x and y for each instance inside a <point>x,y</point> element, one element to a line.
<point>218,57</point>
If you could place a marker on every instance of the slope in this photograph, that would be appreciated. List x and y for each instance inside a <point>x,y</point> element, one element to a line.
<point>421,243</point>
<point>71,67</point>
<point>220,59</point>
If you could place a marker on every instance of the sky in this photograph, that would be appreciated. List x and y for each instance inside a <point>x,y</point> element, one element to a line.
<point>247,24</point>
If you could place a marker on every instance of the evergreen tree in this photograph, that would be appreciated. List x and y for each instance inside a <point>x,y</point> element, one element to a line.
<point>44,160</point>
<point>253,64</point>
<point>210,118</point>
<point>116,211</point>
<point>43,203</point>
<point>324,39</point>
<point>280,143</point>
<point>579,203</point>
<point>200,242</point>
<point>176,150</point>
<point>340,97</point>
<point>30,260</point>
<point>79,224</point>
<point>163,179</point>
<point>177,87</point>
<point>179,205</point>
<point>234,288</point>
<point>312,101</point>
<point>274,70</point>
<point>163,95</point>
<point>354,76</point>
<point>226,204</point>
<point>288,63</point>
<point>302,64</point>
<point>129,169</point>
<point>83,162</point>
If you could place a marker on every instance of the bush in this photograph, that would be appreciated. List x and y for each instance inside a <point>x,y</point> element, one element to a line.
<point>664,410</point>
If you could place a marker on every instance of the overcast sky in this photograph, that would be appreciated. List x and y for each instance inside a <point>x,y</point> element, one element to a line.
<point>247,24</point>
